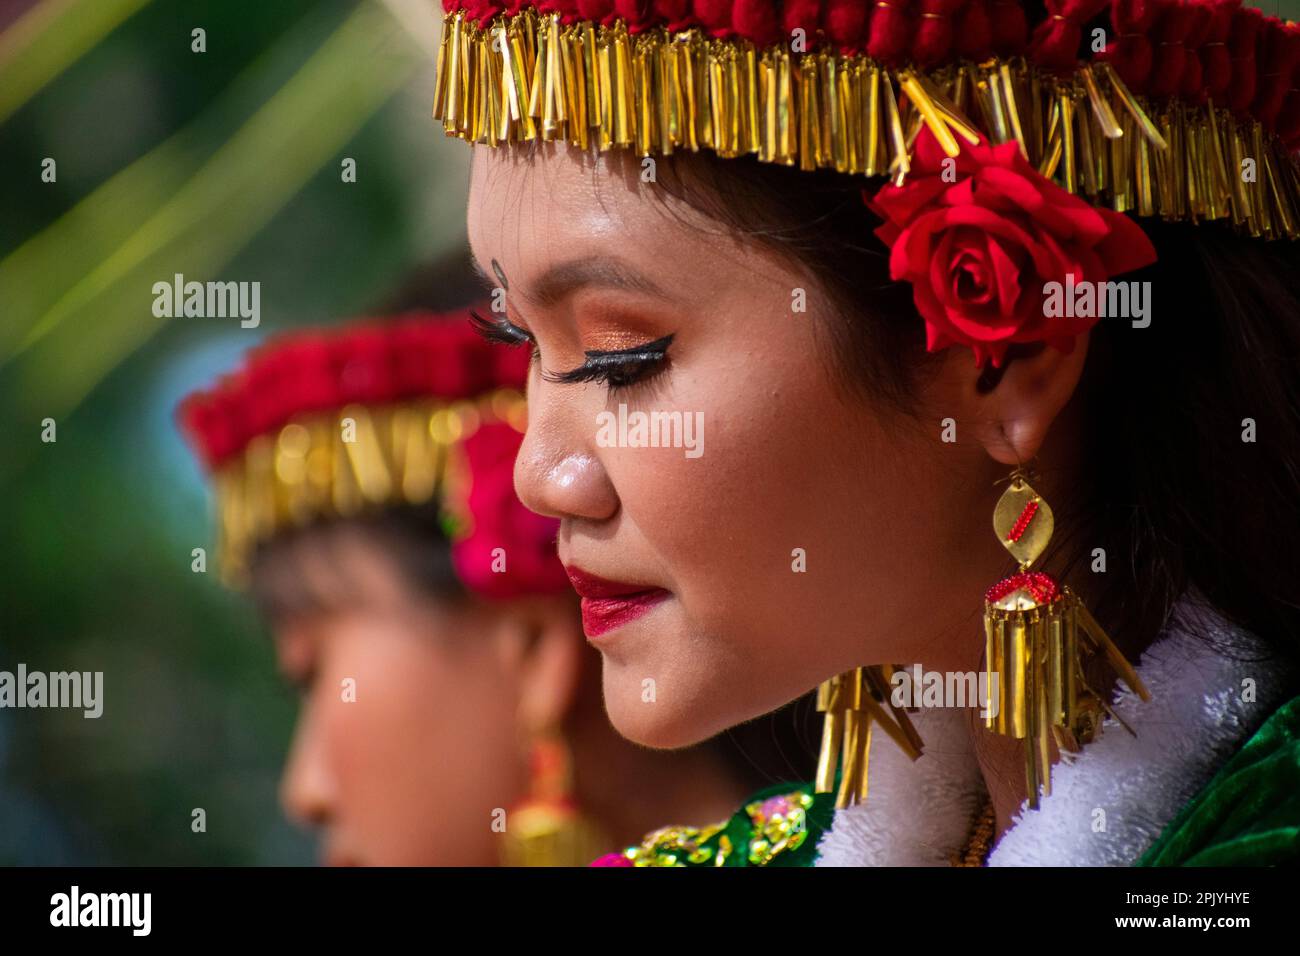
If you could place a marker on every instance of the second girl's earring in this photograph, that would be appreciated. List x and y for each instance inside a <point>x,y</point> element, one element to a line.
<point>852,702</point>
<point>1037,637</point>
<point>548,828</point>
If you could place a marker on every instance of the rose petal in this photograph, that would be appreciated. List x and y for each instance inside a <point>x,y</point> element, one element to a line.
<point>1126,247</point>
<point>900,204</point>
<point>1006,274</point>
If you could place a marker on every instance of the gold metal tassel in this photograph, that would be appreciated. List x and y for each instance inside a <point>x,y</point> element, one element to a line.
<point>919,98</point>
<point>1110,127</point>
<point>1284,215</point>
<point>691,108</point>
<point>749,92</point>
<point>1263,207</point>
<point>441,75</point>
<point>809,133</point>
<point>1055,142</point>
<point>1012,108</point>
<point>900,165</point>
<point>1142,178</point>
<point>1123,157</point>
<point>1087,157</point>
<point>1134,108</point>
<point>875,142</point>
<point>1067,140</point>
<point>450,106</point>
<point>851,704</point>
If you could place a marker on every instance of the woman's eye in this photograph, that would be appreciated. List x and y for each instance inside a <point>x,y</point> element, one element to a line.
<point>620,368</point>
<point>617,368</point>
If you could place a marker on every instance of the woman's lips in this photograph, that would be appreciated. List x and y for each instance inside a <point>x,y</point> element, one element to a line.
<point>607,605</point>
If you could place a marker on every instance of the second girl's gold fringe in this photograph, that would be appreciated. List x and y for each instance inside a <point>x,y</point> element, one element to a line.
<point>358,459</point>
<point>530,77</point>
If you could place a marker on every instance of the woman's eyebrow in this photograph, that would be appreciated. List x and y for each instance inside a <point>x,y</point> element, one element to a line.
<point>559,281</point>
<point>600,272</point>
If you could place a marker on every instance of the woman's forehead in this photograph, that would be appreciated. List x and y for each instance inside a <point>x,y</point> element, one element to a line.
<point>529,209</point>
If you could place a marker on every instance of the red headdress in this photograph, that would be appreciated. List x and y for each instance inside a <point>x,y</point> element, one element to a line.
<point>329,424</point>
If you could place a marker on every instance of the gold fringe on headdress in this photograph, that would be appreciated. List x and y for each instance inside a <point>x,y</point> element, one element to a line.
<point>345,463</point>
<point>530,77</point>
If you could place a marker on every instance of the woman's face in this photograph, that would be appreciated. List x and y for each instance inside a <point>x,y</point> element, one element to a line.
<point>383,760</point>
<point>798,539</point>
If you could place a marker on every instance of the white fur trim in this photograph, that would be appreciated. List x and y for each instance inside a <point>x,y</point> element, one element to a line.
<point>916,811</point>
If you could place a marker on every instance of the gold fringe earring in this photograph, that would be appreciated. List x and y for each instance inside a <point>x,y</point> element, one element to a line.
<point>851,703</point>
<point>1037,637</point>
<point>548,828</point>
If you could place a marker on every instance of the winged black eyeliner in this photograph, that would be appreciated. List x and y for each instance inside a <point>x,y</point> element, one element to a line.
<point>618,367</point>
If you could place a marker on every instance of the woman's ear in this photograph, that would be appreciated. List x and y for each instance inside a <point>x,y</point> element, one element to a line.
<point>1012,408</point>
<point>551,664</point>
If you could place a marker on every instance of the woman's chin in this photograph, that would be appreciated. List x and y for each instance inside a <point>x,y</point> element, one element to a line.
<point>639,712</point>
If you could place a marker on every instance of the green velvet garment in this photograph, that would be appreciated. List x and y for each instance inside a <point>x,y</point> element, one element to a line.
<point>1249,814</point>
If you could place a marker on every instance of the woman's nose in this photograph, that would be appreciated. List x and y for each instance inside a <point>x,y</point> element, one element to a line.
<point>307,788</point>
<point>556,473</point>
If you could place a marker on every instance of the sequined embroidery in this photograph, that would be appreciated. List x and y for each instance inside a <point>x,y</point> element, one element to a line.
<point>780,823</point>
<point>667,846</point>
<point>776,825</point>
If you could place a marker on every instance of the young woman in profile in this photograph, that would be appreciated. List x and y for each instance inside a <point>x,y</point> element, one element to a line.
<point>451,713</point>
<point>845,232</point>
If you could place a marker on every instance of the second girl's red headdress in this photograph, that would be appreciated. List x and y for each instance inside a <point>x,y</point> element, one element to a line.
<point>332,424</point>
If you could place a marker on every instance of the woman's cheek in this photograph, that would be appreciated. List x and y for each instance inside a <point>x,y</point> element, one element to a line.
<point>398,740</point>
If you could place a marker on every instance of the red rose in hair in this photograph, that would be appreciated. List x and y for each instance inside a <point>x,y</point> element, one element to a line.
<point>979,246</point>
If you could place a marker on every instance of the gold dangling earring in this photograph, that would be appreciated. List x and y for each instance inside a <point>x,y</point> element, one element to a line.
<point>851,702</point>
<point>1037,637</point>
<point>547,828</point>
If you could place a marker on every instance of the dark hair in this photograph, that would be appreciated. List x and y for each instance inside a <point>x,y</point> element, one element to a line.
<point>409,536</point>
<point>1177,498</point>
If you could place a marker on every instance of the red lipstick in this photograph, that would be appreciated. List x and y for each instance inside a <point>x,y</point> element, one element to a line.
<point>610,604</point>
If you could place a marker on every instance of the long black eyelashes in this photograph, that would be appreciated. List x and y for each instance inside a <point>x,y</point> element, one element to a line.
<point>618,368</point>
<point>500,331</point>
